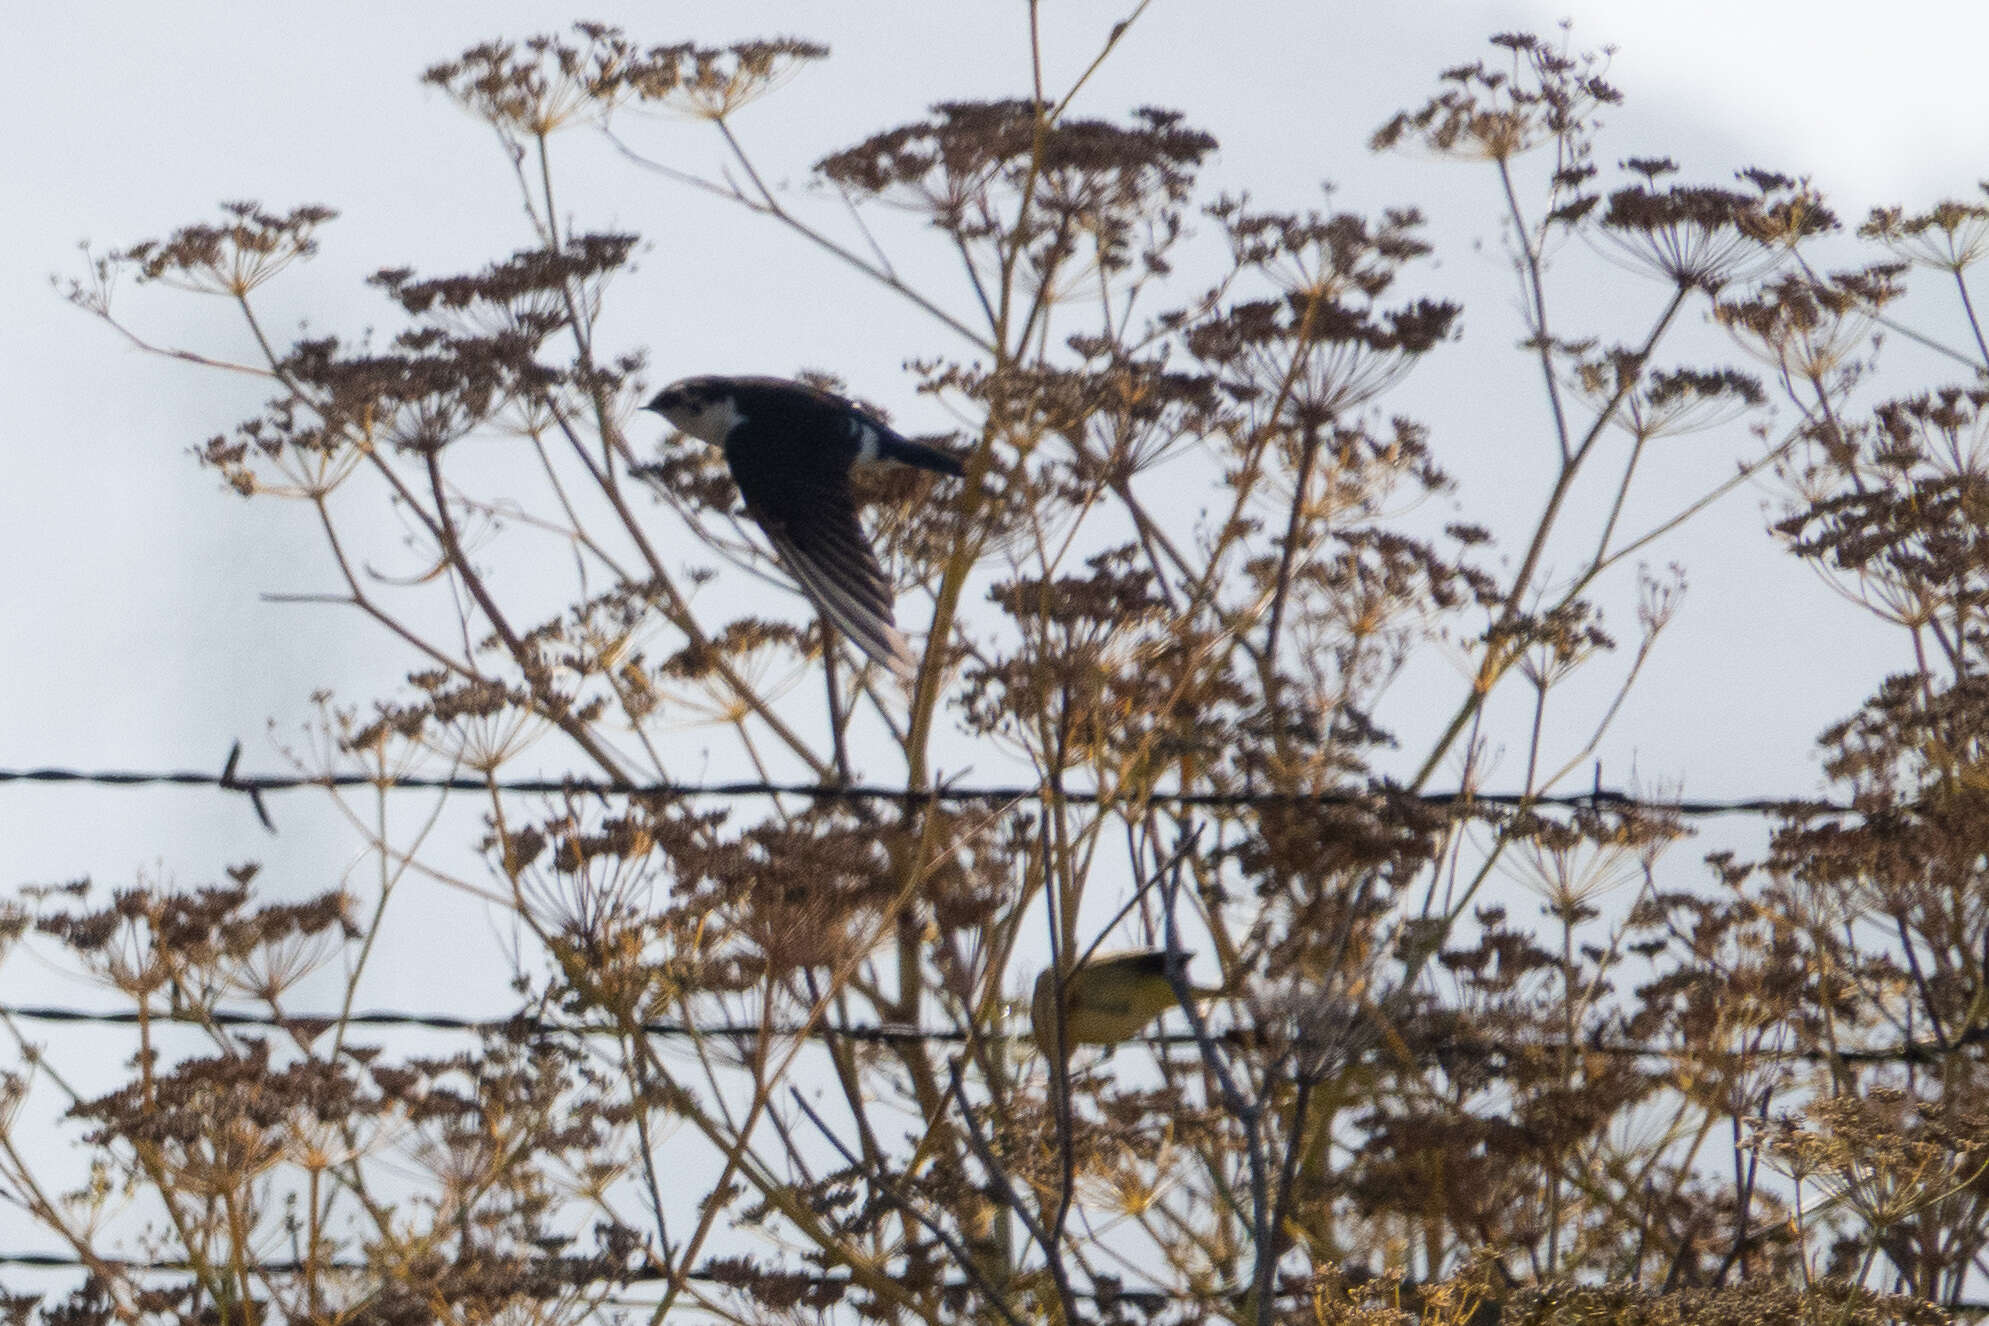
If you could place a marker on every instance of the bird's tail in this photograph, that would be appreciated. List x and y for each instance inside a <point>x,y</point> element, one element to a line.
<point>907,452</point>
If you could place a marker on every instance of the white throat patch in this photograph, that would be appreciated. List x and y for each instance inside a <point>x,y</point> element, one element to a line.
<point>713,423</point>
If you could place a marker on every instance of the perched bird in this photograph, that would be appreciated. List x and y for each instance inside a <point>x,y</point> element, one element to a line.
<point>790,448</point>
<point>1107,999</point>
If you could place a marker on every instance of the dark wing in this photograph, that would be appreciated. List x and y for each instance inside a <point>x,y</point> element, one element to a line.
<point>801,497</point>
<point>848,588</point>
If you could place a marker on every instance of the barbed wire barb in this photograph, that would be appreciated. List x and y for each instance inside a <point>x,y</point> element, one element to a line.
<point>229,783</point>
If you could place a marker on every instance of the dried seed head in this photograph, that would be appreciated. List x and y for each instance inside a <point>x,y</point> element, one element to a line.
<point>1949,237</point>
<point>1807,328</point>
<point>772,658</point>
<point>1488,114</point>
<point>968,168</point>
<point>712,83</point>
<point>536,87</point>
<point>1702,237</point>
<point>232,258</point>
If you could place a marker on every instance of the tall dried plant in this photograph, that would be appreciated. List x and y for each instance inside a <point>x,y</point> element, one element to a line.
<point>770,1065</point>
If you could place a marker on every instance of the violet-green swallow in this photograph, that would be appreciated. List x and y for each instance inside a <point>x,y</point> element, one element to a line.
<point>790,448</point>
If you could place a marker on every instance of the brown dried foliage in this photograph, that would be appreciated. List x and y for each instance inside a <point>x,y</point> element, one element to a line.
<point>769,1063</point>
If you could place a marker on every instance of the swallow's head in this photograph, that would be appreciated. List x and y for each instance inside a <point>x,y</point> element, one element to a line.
<point>704,407</point>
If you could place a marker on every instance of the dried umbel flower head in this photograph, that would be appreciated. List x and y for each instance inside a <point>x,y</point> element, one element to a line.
<point>200,940</point>
<point>279,944</point>
<point>481,725</point>
<point>289,451</point>
<point>1337,477</point>
<point>1946,431</point>
<point>1326,1026</point>
<point>1362,597</point>
<point>1321,345</point>
<point>433,386</point>
<point>1103,671</point>
<point>1128,1176</point>
<point>1754,1300</point>
<point>1040,466</point>
<point>810,893</point>
<point>214,1126</point>
<point>1127,1156</point>
<point>1494,114</point>
<point>1340,255</point>
<point>1789,210</point>
<point>13,1093</point>
<point>1950,236</point>
<point>1898,508</point>
<point>590,887</point>
<point>919,523</point>
<point>525,297</point>
<point>1883,1154</point>
<point>589,881</point>
<point>428,391</point>
<point>1666,402</point>
<point>489,1126</point>
<point>1917,761</point>
<point>1327,873</point>
<point>1807,327</point>
<point>1122,412</point>
<point>1569,862</point>
<point>970,166</point>
<point>1701,237</point>
<point>1554,644</point>
<point>771,657</point>
<point>536,87</point>
<point>713,82</point>
<point>232,258</point>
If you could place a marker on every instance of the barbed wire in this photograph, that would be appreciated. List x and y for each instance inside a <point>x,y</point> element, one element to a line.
<point>63,1261</point>
<point>229,779</point>
<point>1907,1052</point>
<point>481,1026</point>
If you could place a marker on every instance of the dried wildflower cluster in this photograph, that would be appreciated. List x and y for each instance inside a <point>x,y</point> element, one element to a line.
<point>532,89</point>
<point>1535,93</point>
<point>1460,1059</point>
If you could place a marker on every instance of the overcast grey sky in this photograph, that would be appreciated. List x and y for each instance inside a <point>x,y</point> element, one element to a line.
<point>137,637</point>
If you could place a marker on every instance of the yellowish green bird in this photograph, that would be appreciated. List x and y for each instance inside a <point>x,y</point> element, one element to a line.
<point>1107,999</point>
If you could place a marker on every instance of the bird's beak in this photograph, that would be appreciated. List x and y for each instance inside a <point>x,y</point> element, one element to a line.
<point>655,403</point>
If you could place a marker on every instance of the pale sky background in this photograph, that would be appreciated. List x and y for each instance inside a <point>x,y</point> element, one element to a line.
<point>135,635</point>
